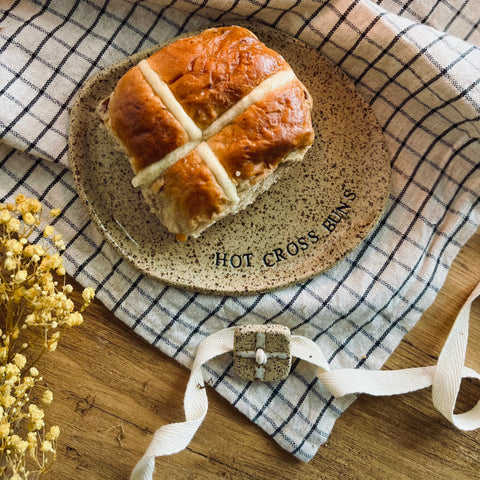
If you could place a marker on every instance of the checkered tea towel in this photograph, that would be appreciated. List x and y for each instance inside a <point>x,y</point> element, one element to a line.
<point>417,64</point>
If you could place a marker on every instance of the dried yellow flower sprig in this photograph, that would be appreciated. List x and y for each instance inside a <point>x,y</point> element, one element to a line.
<point>35,310</point>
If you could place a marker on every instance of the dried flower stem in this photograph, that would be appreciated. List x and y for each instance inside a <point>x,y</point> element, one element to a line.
<point>35,311</point>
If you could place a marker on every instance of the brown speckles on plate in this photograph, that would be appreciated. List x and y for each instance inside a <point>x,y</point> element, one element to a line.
<point>303,225</point>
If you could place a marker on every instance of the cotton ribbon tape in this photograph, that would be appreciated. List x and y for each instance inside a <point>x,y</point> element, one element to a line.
<point>444,377</point>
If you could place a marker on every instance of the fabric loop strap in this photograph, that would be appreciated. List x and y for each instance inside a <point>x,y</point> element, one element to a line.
<point>175,437</point>
<point>445,379</point>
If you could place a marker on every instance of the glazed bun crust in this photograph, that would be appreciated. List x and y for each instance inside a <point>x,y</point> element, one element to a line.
<point>209,123</point>
<point>211,72</point>
<point>198,197</point>
<point>264,134</point>
<point>141,122</point>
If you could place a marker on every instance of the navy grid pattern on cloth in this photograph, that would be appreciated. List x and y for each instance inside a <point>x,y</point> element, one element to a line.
<point>418,66</point>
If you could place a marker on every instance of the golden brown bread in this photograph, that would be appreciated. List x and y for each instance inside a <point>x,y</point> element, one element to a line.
<point>198,196</point>
<point>208,123</point>
<point>211,72</point>
<point>141,122</point>
<point>264,134</point>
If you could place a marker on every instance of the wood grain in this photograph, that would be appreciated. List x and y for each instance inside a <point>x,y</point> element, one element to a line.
<point>112,390</point>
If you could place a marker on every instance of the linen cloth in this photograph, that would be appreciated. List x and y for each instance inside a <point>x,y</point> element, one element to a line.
<point>417,64</point>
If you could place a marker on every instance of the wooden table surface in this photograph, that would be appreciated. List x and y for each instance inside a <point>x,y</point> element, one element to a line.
<point>112,390</point>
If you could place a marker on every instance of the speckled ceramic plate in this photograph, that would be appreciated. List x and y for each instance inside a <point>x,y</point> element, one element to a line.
<point>303,225</point>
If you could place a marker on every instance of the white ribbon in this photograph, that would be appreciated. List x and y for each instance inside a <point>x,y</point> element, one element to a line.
<point>175,437</point>
<point>445,379</point>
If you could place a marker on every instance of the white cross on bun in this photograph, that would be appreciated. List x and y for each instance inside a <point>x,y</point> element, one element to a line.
<point>208,123</point>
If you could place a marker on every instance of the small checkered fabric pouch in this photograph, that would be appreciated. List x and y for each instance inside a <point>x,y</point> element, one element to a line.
<point>417,64</point>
